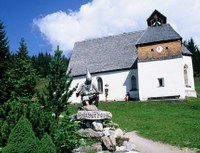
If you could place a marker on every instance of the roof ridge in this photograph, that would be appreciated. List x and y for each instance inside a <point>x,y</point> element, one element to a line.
<point>110,36</point>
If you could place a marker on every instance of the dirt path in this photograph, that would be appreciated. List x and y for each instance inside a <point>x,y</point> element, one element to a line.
<point>144,145</point>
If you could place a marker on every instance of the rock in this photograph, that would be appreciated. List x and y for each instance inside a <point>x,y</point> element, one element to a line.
<point>90,133</point>
<point>121,148</point>
<point>95,147</point>
<point>93,115</point>
<point>107,143</point>
<point>118,133</point>
<point>97,126</point>
<point>113,140</point>
<point>90,108</point>
<point>107,131</point>
<point>129,146</point>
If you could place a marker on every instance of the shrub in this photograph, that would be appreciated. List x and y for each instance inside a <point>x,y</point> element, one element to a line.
<point>66,137</point>
<point>46,145</point>
<point>22,138</point>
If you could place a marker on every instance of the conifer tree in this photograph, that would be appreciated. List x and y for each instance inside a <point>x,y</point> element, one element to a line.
<point>193,48</point>
<point>4,57</point>
<point>46,145</point>
<point>22,138</point>
<point>21,77</point>
<point>58,89</point>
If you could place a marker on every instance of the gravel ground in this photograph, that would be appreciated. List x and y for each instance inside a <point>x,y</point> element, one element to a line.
<point>144,145</point>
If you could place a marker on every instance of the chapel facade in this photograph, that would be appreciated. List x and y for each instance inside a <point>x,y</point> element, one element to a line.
<point>150,64</point>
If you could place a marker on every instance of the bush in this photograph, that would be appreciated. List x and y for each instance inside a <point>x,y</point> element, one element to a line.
<point>66,137</point>
<point>22,138</point>
<point>46,145</point>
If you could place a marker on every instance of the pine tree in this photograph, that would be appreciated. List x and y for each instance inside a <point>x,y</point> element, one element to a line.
<point>46,145</point>
<point>22,138</point>
<point>193,48</point>
<point>21,77</point>
<point>4,57</point>
<point>41,64</point>
<point>58,89</point>
<point>18,89</point>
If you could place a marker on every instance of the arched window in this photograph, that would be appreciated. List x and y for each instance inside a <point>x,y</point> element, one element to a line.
<point>133,83</point>
<point>186,77</point>
<point>100,84</point>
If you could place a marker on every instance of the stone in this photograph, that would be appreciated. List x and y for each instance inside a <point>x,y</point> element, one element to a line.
<point>90,108</point>
<point>120,148</point>
<point>93,115</point>
<point>113,140</point>
<point>107,131</point>
<point>90,133</point>
<point>94,147</point>
<point>97,126</point>
<point>129,146</point>
<point>107,143</point>
<point>118,133</point>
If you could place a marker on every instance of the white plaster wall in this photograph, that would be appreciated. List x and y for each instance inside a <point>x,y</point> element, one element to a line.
<point>190,91</point>
<point>172,72</point>
<point>119,84</point>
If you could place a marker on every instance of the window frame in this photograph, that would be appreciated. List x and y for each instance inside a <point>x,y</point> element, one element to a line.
<point>161,82</point>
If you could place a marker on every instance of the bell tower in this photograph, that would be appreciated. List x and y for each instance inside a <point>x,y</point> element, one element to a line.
<point>159,41</point>
<point>156,19</point>
<point>160,69</point>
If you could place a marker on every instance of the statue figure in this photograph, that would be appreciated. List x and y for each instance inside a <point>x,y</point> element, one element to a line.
<point>88,91</point>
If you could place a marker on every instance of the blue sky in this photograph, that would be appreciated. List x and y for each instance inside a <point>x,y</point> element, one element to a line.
<point>18,15</point>
<point>47,23</point>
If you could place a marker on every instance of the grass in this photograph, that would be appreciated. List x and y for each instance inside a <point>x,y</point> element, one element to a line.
<point>173,122</point>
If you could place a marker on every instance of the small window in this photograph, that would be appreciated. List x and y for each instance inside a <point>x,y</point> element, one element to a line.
<point>160,82</point>
<point>100,84</point>
<point>152,50</point>
<point>133,83</point>
<point>186,76</point>
<point>166,47</point>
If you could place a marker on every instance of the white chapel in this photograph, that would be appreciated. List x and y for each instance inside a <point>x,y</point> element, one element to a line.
<point>150,64</point>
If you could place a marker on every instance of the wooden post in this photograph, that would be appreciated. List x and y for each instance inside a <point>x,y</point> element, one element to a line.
<point>106,95</point>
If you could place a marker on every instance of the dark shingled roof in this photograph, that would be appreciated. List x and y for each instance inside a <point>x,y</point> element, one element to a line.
<point>105,54</point>
<point>185,51</point>
<point>158,34</point>
<point>117,52</point>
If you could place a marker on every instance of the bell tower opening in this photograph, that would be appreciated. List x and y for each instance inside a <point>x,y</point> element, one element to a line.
<point>156,19</point>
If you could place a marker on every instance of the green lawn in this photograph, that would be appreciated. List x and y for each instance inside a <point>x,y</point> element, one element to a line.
<point>173,122</point>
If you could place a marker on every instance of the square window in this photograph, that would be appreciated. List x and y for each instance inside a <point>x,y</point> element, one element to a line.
<point>160,82</point>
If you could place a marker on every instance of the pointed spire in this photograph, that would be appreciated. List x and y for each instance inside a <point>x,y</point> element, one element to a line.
<point>88,75</point>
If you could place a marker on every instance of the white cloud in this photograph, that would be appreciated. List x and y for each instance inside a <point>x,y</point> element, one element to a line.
<point>107,17</point>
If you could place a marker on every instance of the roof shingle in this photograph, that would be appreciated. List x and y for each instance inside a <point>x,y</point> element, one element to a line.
<point>104,54</point>
<point>156,34</point>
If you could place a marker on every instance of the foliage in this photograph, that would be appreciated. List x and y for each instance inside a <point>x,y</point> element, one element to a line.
<point>41,64</point>
<point>21,138</point>
<point>4,57</point>
<point>46,145</point>
<point>21,77</point>
<point>193,48</point>
<point>58,91</point>
<point>41,120</point>
<point>66,137</point>
<point>13,110</point>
